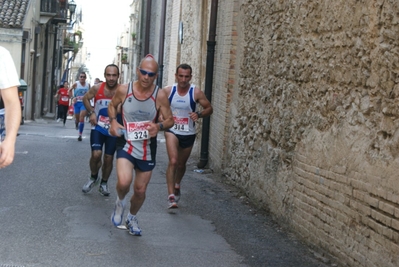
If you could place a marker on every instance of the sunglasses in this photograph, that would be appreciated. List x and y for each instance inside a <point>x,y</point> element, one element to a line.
<point>150,74</point>
<point>82,76</point>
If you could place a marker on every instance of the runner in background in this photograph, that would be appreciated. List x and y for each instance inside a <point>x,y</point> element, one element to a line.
<point>78,90</point>
<point>62,97</point>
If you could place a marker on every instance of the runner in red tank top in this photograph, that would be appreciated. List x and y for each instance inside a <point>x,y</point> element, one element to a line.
<point>62,97</point>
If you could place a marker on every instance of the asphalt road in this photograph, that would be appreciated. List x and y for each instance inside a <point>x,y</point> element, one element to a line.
<point>46,220</point>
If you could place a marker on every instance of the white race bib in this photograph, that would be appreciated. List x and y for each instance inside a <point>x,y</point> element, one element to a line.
<point>181,124</point>
<point>103,122</point>
<point>137,131</point>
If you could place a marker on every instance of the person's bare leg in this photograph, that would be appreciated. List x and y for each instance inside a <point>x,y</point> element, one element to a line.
<point>172,144</point>
<point>140,184</point>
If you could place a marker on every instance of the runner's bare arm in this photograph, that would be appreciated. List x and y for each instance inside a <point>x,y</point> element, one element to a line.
<point>113,107</point>
<point>164,107</point>
<point>89,95</point>
<point>207,108</point>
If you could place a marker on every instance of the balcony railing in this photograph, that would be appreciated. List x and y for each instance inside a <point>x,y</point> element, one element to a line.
<point>57,7</point>
<point>49,6</point>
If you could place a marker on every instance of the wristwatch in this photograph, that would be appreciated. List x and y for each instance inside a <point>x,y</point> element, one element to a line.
<point>160,126</point>
<point>199,114</point>
<point>89,113</point>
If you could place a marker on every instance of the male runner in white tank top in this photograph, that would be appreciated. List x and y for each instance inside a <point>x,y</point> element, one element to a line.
<point>141,102</point>
<point>183,98</point>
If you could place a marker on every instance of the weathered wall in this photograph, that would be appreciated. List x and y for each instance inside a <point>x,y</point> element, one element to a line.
<point>314,116</point>
<point>172,46</point>
<point>192,51</point>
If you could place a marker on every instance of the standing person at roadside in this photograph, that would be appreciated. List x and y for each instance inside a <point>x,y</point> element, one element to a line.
<point>183,98</point>
<point>62,97</point>
<point>79,89</point>
<point>102,94</point>
<point>141,103</point>
<point>10,108</point>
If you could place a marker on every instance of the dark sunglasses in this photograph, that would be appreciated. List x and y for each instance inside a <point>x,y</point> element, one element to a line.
<point>150,74</point>
<point>82,76</point>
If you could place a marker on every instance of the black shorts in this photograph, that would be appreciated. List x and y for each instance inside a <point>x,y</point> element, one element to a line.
<point>185,141</point>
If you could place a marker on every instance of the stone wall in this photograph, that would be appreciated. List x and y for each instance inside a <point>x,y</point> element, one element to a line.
<point>314,116</point>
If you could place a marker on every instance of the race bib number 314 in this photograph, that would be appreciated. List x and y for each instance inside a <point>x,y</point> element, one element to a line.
<point>137,131</point>
<point>181,124</point>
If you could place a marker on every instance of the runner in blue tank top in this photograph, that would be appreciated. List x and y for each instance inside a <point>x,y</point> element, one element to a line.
<point>79,89</point>
<point>141,102</point>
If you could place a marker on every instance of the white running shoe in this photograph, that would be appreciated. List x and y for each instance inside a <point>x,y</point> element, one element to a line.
<point>117,215</point>
<point>89,185</point>
<point>133,226</point>
<point>172,202</point>
<point>103,189</point>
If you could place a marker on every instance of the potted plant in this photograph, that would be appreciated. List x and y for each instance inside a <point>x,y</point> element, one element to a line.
<point>78,34</point>
<point>134,36</point>
<point>124,58</point>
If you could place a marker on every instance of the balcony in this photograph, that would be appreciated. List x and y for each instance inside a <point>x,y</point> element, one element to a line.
<point>53,9</point>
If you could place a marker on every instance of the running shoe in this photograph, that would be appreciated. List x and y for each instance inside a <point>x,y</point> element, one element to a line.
<point>89,185</point>
<point>177,194</point>
<point>133,226</point>
<point>172,203</point>
<point>58,120</point>
<point>117,215</point>
<point>103,189</point>
<point>80,138</point>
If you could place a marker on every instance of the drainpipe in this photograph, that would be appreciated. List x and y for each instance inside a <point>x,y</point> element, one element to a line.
<point>147,28</point>
<point>55,66</point>
<point>34,71</point>
<point>44,74</point>
<point>210,57</point>
<point>161,44</point>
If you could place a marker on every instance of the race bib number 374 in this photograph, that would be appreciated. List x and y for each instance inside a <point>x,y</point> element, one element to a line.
<point>137,131</point>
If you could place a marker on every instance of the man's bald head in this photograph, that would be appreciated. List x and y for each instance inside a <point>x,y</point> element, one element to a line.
<point>147,61</point>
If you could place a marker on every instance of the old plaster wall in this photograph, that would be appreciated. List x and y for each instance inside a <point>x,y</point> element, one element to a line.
<point>314,121</point>
<point>192,48</point>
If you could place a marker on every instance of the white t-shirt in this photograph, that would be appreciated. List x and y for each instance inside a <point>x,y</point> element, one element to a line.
<point>8,72</point>
<point>8,78</point>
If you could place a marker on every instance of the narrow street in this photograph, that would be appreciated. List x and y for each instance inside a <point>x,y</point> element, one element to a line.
<point>48,221</point>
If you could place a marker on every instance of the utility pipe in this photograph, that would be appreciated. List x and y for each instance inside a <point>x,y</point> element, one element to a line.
<point>210,58</point>
<point>161,44</point>
<point>147,28</point>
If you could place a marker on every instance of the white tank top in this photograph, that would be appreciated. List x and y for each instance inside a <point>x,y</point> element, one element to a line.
<point>181,106</point>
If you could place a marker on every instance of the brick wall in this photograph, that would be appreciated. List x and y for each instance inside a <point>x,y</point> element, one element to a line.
<point>223,83</point>
<point>306,119</point>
